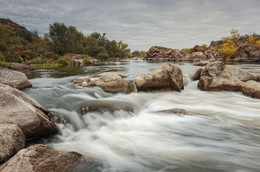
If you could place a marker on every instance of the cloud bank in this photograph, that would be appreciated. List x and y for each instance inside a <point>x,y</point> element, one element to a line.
<point>141,23</point>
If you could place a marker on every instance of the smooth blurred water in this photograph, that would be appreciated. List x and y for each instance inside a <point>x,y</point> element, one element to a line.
<point>221,131</point>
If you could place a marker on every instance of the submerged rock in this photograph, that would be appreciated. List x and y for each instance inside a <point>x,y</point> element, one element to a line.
<point>18,108</point>
<point>40,158</point>
<point>175,111</point>
<point>108,81</point>
<point>14,79</point>
<point>217,76</point>
<point>105,105</point>
<point>167,77</point>
<point>12,140</point>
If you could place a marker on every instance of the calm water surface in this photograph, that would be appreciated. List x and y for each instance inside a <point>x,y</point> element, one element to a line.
<point>221,131</point>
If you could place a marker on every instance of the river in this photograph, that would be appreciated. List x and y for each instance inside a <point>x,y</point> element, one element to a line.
<point>221,131</point>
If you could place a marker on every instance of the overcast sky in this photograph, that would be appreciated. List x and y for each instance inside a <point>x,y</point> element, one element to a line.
<point>141,23</point>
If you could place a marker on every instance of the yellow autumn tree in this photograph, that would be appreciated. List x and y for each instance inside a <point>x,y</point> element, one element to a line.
<point>234,36</point>
<point>251,40</point>
<point>228,49</point>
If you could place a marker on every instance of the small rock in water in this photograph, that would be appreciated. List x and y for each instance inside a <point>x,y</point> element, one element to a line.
<point>175,111</point>
<point>103,105</point>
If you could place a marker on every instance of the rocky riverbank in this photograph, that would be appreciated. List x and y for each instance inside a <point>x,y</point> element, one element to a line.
<point>247,53</point>
<point>22,119</point>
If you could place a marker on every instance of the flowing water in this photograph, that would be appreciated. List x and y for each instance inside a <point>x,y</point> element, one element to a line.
<point>221,131</point>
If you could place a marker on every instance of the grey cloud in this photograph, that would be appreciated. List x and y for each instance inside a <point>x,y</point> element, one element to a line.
<point>141,23</point>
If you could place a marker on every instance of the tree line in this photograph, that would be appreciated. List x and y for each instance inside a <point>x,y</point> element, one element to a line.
<point>63,39</point>
<point>22,46</point>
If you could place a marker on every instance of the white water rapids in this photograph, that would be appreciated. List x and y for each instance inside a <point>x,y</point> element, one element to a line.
<point>221,131</point>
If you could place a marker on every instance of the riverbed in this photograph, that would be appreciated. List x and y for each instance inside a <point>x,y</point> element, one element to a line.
<point>220,132</point>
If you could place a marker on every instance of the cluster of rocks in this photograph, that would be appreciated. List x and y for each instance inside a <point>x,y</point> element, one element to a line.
<point>167,77</point>
<point>168,54</point>
<point>248,53</point>
<point>22,119</point>
<point>245,53</point>
<point>215,76</point>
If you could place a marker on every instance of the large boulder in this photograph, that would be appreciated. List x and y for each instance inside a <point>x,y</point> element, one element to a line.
<point>248,53</point>
<point>216,76</point>
<point>18,108</point>
<point>12,140</point>
<point>40,158</point>
<point>14,79</point>
<point>108,81</point>
<point>158,52</point>
<point>167,77</point>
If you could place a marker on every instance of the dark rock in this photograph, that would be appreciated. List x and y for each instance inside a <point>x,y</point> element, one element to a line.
<point>198,48</point>
<point>250,52</point>
<point>197,74</point>
<point>105,105</point>
<point>175,111</point>
<point>215,43</point>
